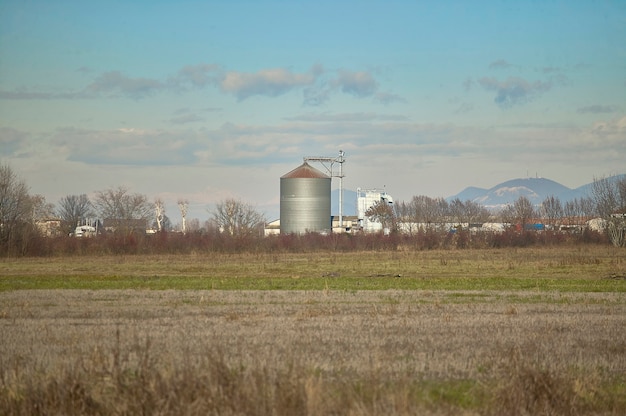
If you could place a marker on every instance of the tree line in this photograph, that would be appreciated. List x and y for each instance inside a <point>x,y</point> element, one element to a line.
<point>422,210</point>
<point>122,210</point>
<point>114,209</point>
<point>607,202</point>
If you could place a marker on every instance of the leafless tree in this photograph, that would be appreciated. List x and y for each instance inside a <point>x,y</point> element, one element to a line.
<point>72,209</point>
<point>403,213</point>
<point>609,195</point>
<point>524,210</point>
<point>41,209</point>
<point>456,210</point>
<point>123,210</point>
<point>507,214</point>
<point>16,209</point>
<point>473,212</point>
<point>427,210</point>
<point>183,204</point>
<point>159,212</point>
<point>441,211</point>
<point>552,210</point>
<point>587,207</point>
<point>467,212</point>
<point>237,218</point>
<point>572,212</point>
<point>193,225</point>
<point>166,224</point>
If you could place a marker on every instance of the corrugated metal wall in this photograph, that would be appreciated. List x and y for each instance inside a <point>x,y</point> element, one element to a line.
<point>304,201</point>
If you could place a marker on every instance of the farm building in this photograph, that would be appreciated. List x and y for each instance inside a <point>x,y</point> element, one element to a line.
<point>367,198</point>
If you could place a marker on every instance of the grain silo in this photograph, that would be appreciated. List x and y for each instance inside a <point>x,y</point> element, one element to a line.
<point>304,201</point>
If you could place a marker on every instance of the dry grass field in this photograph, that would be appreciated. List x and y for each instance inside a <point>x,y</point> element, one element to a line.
<point>432,333</point>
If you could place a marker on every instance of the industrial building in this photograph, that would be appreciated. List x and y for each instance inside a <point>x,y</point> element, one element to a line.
<point>365,199</point>
<point>305,202</point>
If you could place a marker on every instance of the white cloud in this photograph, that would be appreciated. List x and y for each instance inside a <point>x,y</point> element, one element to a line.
<point>410,158</point>
<point>186,118</point>
<point>514,90</point>
<point>317,85</point>
<point>125,146</point>
<point>114,82</point>
<point>198,75</point>
<point>611,131</point>
<point>500,64</point>
<point>10,141</point>
<point>343,117</point>
<point>359,84</point>
<point>388,98</point>
<point>597,109</point>
<point>267,82</point>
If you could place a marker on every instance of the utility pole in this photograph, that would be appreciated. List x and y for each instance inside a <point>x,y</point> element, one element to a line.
<point>328,163</point>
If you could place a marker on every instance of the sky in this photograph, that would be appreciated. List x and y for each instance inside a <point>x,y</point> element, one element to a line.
<point>209,100</point>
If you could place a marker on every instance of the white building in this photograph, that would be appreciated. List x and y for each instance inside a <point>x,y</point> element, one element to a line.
<point>365,199</point>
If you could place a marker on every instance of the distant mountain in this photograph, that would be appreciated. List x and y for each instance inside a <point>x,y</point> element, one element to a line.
<point>535,189</point>
<point>469,194</point>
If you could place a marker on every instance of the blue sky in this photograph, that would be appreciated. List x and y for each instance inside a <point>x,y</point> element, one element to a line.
<point>206,100</point>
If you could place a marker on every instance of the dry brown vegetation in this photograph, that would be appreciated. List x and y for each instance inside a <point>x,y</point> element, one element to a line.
<point>28,243</point>
<point>311,352</point>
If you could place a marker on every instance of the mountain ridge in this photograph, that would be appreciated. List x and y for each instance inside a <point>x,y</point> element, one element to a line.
<point>535,189</point>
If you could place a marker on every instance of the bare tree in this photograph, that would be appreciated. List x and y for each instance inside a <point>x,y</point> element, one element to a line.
<point>404,217</point>
<point>122,210</point>
<point>237,218</point>
<point>41,209</point>
<point>467,212</point>
<point>609,195</point>
<point>456,210</point>
<point>193,225</point>
<point>587,207</point>
<point>440,212</point>
<point>475,212</point>
<point>159,212</point>
<point>72,209</point>
<point>571,212</point>
<point>552,210</point>
<point>166,224</point>
<point>428,210</point>
<point>507,214</point>
<point>16,209</point>
<point>14,200</point>
<point>523,210</point>
<point>182,205</point>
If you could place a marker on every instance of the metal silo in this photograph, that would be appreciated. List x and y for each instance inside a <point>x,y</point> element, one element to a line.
<point>304,201</point>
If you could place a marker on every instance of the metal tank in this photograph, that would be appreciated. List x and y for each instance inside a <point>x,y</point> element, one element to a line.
<point>304,201</point>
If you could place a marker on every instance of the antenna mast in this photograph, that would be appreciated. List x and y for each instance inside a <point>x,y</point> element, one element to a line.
<point>328,163</point>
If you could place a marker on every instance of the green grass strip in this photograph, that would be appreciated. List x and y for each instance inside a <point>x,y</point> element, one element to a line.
<point>178,282</point>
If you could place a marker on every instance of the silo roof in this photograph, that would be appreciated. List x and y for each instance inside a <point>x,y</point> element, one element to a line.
<point>305,171</point>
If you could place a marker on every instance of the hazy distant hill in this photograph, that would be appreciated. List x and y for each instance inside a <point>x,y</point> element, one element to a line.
<point>535,189</point>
